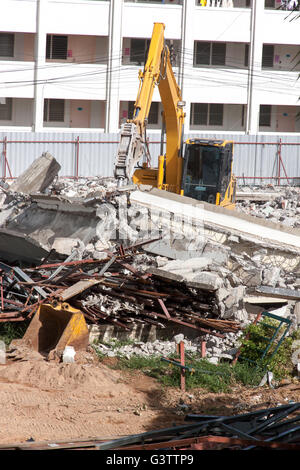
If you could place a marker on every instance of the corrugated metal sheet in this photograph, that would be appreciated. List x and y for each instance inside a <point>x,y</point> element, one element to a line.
<point>93,154</point>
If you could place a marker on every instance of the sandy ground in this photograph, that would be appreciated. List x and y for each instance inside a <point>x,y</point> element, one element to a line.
<point>48,401</point>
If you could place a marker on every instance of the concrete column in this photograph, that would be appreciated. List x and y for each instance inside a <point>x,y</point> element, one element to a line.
<point>40,60</point>
<point>186,58</point>
<point>113,66</point>
<point>255,58</point>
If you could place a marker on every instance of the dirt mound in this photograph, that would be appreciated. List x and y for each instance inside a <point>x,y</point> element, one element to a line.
<point>43,401</point>
<point>69,377</point>
<point>49,401</point>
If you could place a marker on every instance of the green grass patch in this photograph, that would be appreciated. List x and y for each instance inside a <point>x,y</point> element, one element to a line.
<point>220,378</point>
<point>12,330</point>
<point>201,374</point>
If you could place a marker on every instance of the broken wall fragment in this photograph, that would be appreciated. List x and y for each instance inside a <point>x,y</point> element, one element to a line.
<point>38,176</point>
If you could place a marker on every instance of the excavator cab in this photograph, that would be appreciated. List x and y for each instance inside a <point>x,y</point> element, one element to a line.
<point>207,171</point>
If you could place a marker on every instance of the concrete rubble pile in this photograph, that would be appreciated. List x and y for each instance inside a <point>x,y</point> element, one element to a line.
<point>90,246</point>
<point>216,348</point>
<point>282,207</point>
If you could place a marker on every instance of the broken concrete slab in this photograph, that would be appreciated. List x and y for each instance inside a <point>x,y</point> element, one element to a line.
<point>261,300</point>
<point>288,294</point>
<point>16,247</point>
<point>236,295</point>
<point>171,250</point>
<point>65,246</point>
<point>257,196</point>
<point>191,264</point>
<point>211,220</point>
<point>49,218</point>
<point>204,280</point>
<point>165,274</point>
<point>38,176</point>
<point>270,276</point>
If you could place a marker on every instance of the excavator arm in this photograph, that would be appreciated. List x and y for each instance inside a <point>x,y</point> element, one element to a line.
<point>157,72</point>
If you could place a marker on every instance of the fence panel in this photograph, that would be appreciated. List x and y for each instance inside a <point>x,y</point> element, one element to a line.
<point>261,158</point>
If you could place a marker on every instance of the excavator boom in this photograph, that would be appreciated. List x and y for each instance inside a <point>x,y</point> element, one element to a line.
<point>157,72</point>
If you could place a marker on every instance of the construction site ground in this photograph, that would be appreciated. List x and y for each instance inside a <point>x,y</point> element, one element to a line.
<point>48,401</point>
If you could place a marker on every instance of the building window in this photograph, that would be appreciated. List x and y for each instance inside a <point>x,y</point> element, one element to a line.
<point>243,115</point>
<point>210,53</point>
<point>138,50</point>
<point>269,4</point>
<point>153,113</point>
<point>267,56</point>
<point>5,109</point>
<point>205,114</point>
<point>246,59</point>
<point>54,110</point>
<point>7,42</point>
<point>56,47</point>
<point>265,115</point>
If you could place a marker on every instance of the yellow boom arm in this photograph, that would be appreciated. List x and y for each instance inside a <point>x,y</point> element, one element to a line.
<point>157,72</point>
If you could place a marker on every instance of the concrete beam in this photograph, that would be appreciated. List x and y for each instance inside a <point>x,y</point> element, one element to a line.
<point>38,176</point>
<point>218,219</point>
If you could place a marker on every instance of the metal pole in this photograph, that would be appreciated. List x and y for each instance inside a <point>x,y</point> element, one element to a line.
<point>278,162</point>
<point>182,362</point>
<point>77,158</point>
<point>5,158</point>
<point>203,348</point>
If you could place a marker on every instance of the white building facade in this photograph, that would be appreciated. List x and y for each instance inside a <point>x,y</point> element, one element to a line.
<point>73,64</point>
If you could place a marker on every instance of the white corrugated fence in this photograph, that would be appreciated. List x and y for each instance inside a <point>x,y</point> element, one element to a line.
<point>261,158</point>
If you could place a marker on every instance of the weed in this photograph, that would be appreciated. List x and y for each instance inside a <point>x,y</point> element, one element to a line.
<point>275,360</point>
<point>201,374</point>
<point>12,330</point>
<point>215,378</point>
<point>246,374</point>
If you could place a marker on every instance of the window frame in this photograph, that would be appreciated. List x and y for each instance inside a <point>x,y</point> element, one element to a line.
<point>7,107</point>
<point>11,47</point>
<point>206,115</point>
<point>263,115</point>
<point>266,58</point>
<point>139,59</point>
<point>51,54</point>
<point>212,59</point>
<point>47,109</point>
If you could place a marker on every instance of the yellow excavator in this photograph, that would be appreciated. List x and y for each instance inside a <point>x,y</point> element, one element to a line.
<point>198,168</point>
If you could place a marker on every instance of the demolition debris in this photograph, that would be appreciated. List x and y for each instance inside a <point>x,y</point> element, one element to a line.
<point>102,251</point>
